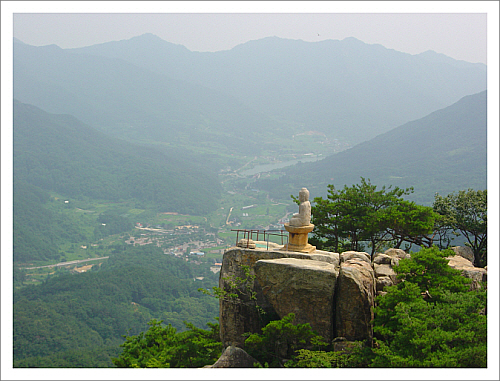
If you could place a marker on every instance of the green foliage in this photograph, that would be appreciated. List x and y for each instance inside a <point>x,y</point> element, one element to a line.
<point>111,222</point>
<point>466,212</point>
<point>58,153</point>
<point>239,290</point>
<point>318,359</point>
<point>429,270</point>
<point>163,347</point>
<point>19,276</point>
<point>96,308</point>
<point>360,213</point>
<point>354,357</point>
<point>91,357</point>
<point>406,221</point>
<point>448,333</point>
<point>429,319</point>
<point>280,340</point>
<point>37,229</point>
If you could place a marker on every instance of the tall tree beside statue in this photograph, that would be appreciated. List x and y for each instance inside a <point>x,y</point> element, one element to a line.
<point>358,215</point>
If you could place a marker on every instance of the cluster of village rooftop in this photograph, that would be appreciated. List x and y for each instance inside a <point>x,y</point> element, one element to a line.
<point>160,237</point>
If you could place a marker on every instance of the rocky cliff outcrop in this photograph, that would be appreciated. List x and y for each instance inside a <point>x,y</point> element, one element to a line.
<point>334,293</point>
<point>476,274</point>
<point>301,286</point>
<point>354,299</point>
<point>239,316</point>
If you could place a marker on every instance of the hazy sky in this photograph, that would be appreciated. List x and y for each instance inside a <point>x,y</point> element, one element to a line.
<point>403,26</point>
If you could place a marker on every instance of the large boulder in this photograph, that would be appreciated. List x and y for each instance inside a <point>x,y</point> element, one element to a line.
<point>396,255</point>
<point>303,287</point>
<point>383,282</point>
<point>384,270</point>
<point>240,315</point>
<point>476,274</point>
<point>346,255</point>
<point>465,252</point>
<point>382,259</point>
<point>354,301</point>
<point>234,357</point>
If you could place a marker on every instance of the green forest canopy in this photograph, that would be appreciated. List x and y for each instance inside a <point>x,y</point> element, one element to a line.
<point>89,312</point>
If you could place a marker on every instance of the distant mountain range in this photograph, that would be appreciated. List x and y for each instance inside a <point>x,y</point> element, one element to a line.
<point>442,152</point>
<point>240,99</point>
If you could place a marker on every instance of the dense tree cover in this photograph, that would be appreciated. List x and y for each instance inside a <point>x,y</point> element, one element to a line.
<point>428,319</point>
<point>112,222</point>
<point>465,212</point>
<point>361,214</point>
<point>280,341</point>
<point>163,347</point>
<point>72,312</point>
<point>361,217</point>
<point>59,153</point>
<point>89,357</point>
<point>42,225</point>
<point>38,230</point>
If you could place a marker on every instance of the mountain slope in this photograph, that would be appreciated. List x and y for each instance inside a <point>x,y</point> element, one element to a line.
<point>346,89</point>
<point>59,153</point>
<point>130,102</point>
<point>79,320</point>
<point>443,152</point>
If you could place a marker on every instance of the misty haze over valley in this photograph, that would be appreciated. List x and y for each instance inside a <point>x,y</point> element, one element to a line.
<point>144,157</point>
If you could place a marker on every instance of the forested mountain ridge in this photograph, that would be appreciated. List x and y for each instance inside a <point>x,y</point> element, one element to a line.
<point>345,89</point>
<point>443,152</point>
<point>59,153</point>
<point>134,103</point>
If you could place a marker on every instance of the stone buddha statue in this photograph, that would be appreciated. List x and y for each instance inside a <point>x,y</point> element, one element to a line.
<point>300,226</point>
<point>303,217</point>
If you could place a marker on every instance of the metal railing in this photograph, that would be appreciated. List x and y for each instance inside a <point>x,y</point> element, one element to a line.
<point>253,234</point>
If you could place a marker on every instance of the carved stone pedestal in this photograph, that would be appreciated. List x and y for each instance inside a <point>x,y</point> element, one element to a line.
<point>297,239</point>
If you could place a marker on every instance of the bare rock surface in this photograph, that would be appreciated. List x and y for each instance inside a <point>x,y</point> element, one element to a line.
<point>354,300</point>
<point>234,357</point>
<point>241,316</point>
<point>303,287</point>
<point>477,274</point>
<point>355,255</point>
<point>382,259</point>
<point>465,252</point>
<point>384,270</point>
<point>383,282</point>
